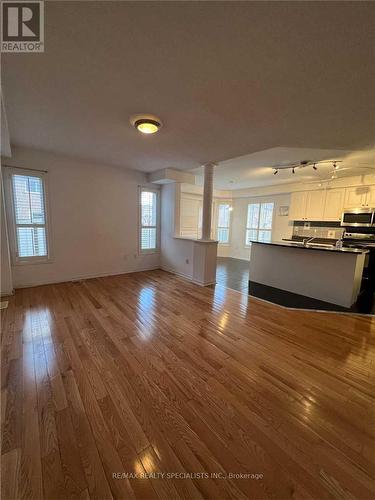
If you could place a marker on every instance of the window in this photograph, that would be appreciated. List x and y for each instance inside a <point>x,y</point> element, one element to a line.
<point>148,216</point>
<point>259,222</point>
<point>29,216</point>
<point>223,222</point>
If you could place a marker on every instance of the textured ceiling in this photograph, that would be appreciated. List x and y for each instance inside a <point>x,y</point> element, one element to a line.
<point>226,78</point>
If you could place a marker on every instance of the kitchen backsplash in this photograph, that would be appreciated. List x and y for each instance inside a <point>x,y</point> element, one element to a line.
<point>318,229</point>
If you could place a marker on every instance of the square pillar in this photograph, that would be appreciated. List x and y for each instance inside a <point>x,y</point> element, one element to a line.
<point>204,262</point>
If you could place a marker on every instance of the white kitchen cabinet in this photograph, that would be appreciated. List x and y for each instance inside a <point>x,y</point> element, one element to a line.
<point>328,205</point>
<point>370,197</point>
<point>360,196</point>
<point>307,205</point>
<point>297,209</point>
<point>334,204</point>
<point>355,197</point>
<point>315,203</point>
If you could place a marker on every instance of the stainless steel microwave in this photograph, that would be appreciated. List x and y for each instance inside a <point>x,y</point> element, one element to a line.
<point>358,217</point>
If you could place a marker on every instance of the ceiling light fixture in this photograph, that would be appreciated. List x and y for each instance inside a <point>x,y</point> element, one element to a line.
<point>146,123</point>
<point>147,126</point>
<point>304,163</point>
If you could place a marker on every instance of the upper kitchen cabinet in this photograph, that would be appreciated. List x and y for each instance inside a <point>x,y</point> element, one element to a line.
<point>334,204</point>
<point>307,205</point>
<point>360,196</point>
<point>315,205</point>
<point>370,198</point>
<point>297,209</point>
<point>328,205</point>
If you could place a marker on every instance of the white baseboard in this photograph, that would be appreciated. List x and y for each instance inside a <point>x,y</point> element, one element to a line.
<point>173,271</point>
<point>186,276</point>
<point>84,277</point>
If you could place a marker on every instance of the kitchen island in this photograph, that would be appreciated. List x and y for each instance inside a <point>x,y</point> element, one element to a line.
<point>296,275</point>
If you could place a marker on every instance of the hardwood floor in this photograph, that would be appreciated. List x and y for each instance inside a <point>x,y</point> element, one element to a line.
<point>150,375</point>
<point>233,273</point>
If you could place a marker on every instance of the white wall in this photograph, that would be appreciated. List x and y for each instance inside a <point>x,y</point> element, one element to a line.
<point>281,227</point>
<point>94,214</point>
<point>6,282</point>
<point>176,253</point>
<point>190,258</point>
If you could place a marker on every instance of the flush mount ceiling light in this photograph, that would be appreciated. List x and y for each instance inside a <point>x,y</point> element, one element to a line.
<point>146,124</point>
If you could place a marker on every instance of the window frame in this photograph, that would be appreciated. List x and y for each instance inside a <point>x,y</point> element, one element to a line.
<point>11,216</point>
<point>248,228</point>
<point>229,227</point>
<point>148,251</point>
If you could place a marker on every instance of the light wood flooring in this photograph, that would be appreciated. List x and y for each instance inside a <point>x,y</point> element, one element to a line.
<point>147,386</point>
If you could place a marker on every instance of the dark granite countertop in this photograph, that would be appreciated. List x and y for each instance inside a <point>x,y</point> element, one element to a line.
<point>291,244</point>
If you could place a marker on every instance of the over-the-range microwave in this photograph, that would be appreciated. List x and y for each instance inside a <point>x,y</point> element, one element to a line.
<point>358,217</point>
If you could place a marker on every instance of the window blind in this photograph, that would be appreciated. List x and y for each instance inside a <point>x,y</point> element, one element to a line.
<point>148,234</point>
<point>30,216</point>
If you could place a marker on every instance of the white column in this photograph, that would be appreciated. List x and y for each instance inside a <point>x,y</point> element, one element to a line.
<point>207,201</point>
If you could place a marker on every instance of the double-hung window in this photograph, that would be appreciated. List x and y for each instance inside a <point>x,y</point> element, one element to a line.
<point>259,222</point>
<point>29,214</point>
<point>148,220</point>
<point>223,222</point>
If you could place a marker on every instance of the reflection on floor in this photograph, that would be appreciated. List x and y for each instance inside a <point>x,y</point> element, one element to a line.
<point>233,273</point>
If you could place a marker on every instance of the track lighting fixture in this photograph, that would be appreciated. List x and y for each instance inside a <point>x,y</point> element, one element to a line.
<point>304,163</point>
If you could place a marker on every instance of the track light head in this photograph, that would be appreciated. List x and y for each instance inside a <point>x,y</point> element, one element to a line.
<point>293,171</point>
<point>315,167</point>
<point>275,172</point>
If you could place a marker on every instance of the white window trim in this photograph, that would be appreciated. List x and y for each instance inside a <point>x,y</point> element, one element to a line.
<point>260,203</point>
<point>151,250</point>
<point>218,203</point>
<point>11,218</point>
